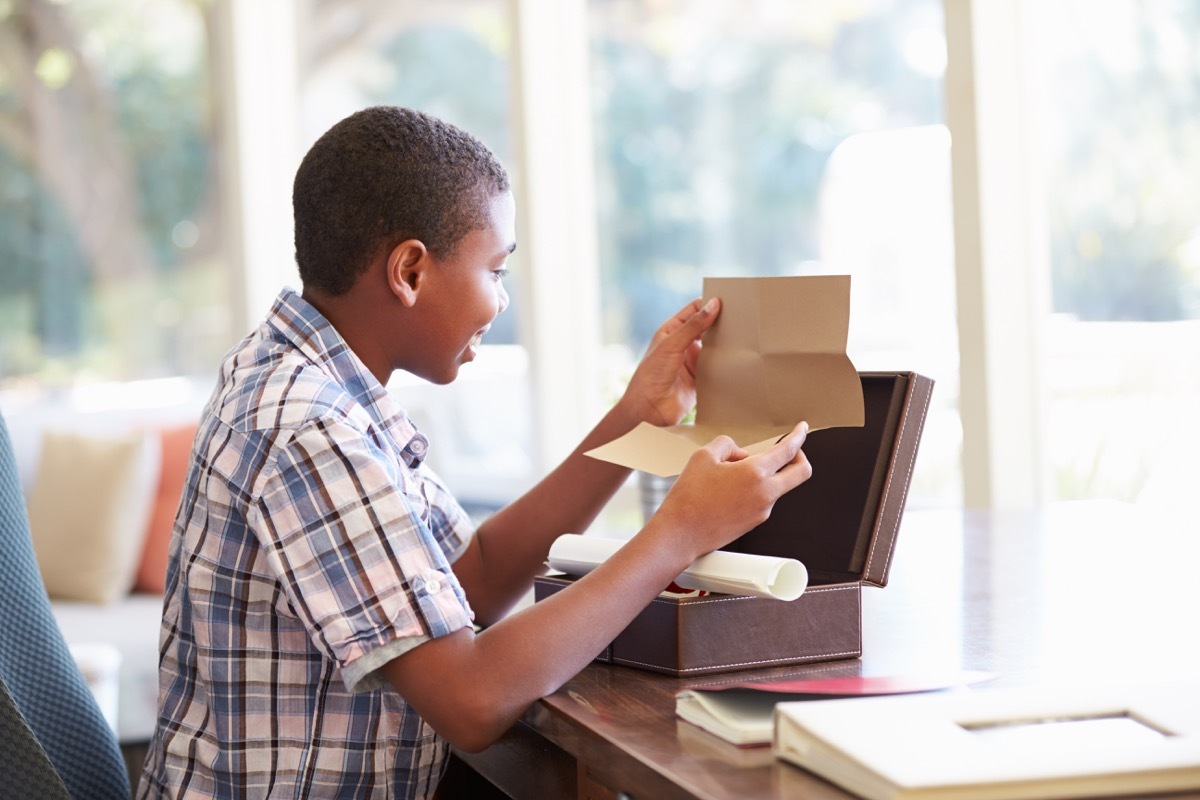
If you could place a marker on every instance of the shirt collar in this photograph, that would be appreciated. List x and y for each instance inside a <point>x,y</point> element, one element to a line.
<point>299,323</point>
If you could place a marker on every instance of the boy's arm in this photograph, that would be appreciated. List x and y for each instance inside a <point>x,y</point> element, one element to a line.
<point>510,547</point>
<point>472,687</point>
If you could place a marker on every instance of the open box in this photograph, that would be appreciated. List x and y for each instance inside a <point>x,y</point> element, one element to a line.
<point>841,524</point>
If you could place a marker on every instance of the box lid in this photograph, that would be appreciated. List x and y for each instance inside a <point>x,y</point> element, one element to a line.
<point>842,522</point>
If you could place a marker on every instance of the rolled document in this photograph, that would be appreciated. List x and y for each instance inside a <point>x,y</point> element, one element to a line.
<point>719,571</point>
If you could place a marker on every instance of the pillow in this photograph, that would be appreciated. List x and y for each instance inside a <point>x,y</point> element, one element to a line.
<point>88,507</point>
<point>175,444</point>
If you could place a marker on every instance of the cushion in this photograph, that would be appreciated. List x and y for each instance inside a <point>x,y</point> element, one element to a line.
<point>88,508</point>
<point>175,445</point>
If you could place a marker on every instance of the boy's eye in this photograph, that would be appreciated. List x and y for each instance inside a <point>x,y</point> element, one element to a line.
<point>500,273</point>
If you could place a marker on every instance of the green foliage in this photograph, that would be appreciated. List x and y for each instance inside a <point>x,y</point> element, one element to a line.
<point>1123,181</point>
<point>128,158</point>
<point>462,76</point>
<point>711,144</point>
<point>712,163</point>
<point>450,73</point>
<point>165,123</point>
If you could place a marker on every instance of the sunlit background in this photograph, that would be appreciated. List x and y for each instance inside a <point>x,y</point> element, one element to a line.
<point>147,148</point>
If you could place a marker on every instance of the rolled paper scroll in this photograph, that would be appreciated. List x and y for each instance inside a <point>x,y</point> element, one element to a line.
<point>718,571</point>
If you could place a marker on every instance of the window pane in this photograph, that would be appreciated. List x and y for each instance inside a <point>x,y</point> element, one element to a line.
<point>1118,127</point>
<point>450,59</point>
<point>775,138</point>
<point>1120,132</point>
<point>110,236</point>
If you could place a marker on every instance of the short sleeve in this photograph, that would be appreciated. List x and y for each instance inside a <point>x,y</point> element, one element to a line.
<point>450,523</point>
<point>347,529</point>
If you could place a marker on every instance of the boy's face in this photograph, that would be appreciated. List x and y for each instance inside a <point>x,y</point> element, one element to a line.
<point>467,293</point>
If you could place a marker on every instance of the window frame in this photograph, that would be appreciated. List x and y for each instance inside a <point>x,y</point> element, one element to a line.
<point>1000,247</point>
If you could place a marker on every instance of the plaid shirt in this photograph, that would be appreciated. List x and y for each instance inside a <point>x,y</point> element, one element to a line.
<point>311,547</point>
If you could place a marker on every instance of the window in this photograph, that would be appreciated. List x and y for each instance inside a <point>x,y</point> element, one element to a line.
<point>111,239</point>
<point>758,139</point>
<point>451,60</point>
<point>1116,125</point>
<point>144,217</point>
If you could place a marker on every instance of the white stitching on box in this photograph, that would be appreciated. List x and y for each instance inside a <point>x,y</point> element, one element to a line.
<point>907,478</point>
<point>814,657</point>
<point>692,601</point>
<point>724,679</point>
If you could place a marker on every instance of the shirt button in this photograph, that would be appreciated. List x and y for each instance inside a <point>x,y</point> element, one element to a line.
<point>433,585</point>
<point>417,446</point>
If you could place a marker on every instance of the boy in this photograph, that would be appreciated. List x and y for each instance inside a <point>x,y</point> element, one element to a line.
<point>317,634</point>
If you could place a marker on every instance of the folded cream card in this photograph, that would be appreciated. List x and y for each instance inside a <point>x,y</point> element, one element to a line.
<point>775,356</point>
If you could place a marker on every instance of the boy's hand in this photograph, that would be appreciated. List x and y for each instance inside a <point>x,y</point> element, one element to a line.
<point>723,493</point>
<point>663,387</point>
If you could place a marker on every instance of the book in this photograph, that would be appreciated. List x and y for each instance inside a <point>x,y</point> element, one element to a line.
<point>1010,744</point>
<point>740,716</point>
<point>743,712</point>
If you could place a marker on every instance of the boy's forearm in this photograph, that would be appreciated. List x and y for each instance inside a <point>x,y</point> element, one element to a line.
<point>471,688</point>
<point>486,681</point>
<point>511,545</point>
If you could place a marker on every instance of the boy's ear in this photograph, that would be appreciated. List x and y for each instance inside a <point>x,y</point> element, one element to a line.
<point>406,267</point>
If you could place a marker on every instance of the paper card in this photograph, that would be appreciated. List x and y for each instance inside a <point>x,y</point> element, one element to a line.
<point>775,356</point>
<point>664,451</point>
<point>862,685</point>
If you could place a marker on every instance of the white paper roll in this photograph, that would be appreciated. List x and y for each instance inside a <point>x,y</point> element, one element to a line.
<point>719,571</point>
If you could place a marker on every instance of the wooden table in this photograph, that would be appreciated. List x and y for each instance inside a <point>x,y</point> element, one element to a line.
<point>1080,593</point>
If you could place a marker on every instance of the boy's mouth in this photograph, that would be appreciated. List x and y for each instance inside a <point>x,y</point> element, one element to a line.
<point>477,339</point>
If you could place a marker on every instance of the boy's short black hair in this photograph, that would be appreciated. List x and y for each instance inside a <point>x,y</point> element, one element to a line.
<point>381,176</point>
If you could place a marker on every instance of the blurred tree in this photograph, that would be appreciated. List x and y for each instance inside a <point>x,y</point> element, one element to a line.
<point>106,178</point>
<point>1122,182</point>
<point>714,126</point>
<point>448,59</point>
<point>60,124</point>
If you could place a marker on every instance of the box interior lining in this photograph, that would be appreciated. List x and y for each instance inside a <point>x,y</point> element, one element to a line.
<point>828,521</point>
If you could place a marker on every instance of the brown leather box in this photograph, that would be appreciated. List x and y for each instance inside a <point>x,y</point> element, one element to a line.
<point>841,524</point>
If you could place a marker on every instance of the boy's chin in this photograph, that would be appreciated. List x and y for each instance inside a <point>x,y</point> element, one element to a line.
<point>439,374</point>
<point>444,376</point>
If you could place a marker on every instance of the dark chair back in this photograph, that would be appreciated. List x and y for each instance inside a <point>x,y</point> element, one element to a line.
<point>54,741</point>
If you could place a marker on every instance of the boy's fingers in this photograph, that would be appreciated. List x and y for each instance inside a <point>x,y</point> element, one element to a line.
<point>691,357</point>
<point>785,450</point>
<point>703,319</point>
<point>795,437</point>
<point>725,449</point>
<point>694,319</point>
<point>795,472</point>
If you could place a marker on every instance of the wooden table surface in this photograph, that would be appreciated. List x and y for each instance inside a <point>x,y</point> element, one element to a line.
<point>1071,594</point>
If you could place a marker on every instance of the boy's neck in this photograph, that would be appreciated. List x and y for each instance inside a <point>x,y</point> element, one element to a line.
<point>356,323</point>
